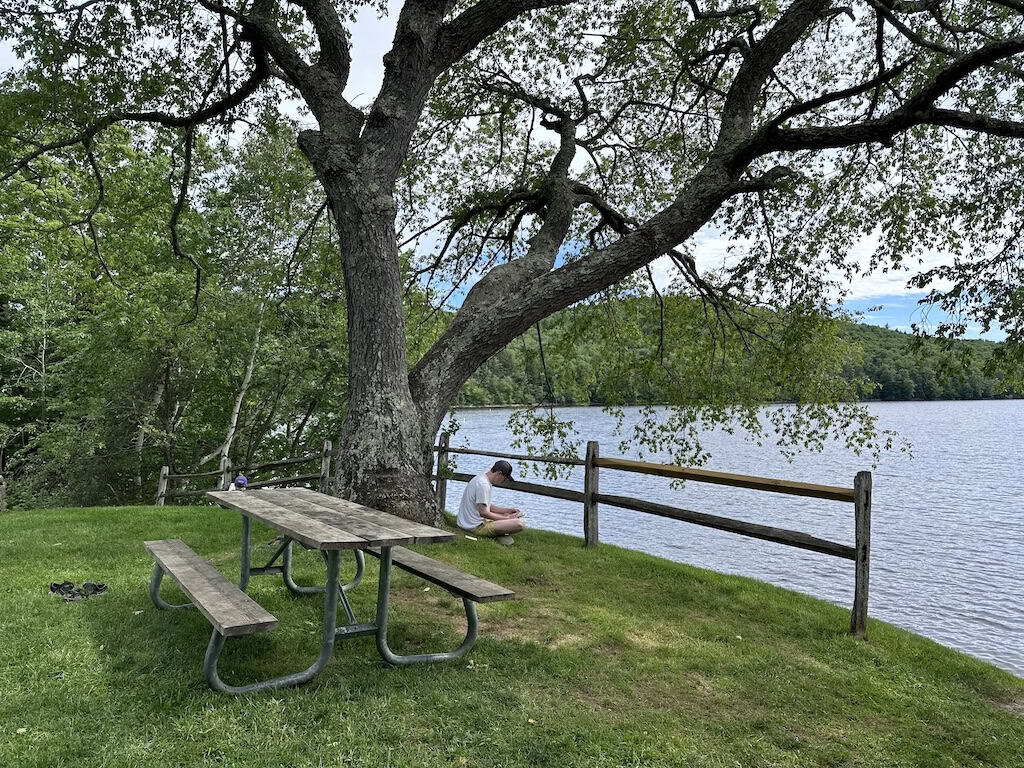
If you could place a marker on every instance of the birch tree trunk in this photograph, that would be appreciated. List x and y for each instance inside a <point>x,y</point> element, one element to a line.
<point>144,423</point>
<point>232,430</point>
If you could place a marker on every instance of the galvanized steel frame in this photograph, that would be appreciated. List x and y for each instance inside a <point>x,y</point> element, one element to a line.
<point>334,592</point>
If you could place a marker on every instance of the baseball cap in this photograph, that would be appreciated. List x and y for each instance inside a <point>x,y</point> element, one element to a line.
<point>241,481</point>
<point>503,467</point>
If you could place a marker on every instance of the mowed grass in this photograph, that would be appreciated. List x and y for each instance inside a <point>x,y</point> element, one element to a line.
<point>611,658</point>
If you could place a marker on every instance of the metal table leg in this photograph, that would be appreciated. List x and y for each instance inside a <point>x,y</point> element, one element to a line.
<point>243,581</point>
<point>154,592</point>
<point>383,588</point>
<point>298,589</point>
<point>216,645</point>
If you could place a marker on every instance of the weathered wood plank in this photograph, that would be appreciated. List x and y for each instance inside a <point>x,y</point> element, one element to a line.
<point>210,473</point>
<point>161,487</point>
<point>226,607</point>
<point>835,493</point>
<point>284,480</point>
<point>446,576</point>
<point>862,567</point>
<point>754,530</point>
<point>254,468</point>
<point>534,488</point>
<point>517,456</point>
<point>421,533</point>
<point>306,530</point>
<point>591,487</point>
<point>441,488</point>
<point>325,468</point>
<point>369,531</point>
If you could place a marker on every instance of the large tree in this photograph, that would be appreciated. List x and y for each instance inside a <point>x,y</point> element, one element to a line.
<point>555,147</point>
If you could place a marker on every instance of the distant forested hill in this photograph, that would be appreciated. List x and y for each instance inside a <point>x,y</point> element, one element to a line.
<point>902,369</point>
<point>885,364</point>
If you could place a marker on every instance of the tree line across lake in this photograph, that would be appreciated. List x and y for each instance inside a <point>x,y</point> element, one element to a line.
<point>880,364</point>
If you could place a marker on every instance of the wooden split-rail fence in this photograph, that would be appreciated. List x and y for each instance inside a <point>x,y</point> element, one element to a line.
<point>227,472</point>
<point>591,497</point>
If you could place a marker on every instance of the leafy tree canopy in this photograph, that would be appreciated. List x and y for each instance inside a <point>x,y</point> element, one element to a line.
<point>546,151</point>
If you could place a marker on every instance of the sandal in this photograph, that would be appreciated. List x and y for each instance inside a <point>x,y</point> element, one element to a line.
<point>60,589</point>
<point>74,596</point>
<point>91,588</point>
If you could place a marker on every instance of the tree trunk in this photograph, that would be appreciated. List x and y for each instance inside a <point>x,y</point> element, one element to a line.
<point>385,451</point>
<point>229,438</point>
<point>140,436</point>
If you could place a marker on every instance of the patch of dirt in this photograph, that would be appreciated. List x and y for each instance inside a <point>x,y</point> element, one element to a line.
<point>1013,706</point>
<point>534,626</point>
<point>647,640</point>
<point>566,639</point>
<point>810,661</point>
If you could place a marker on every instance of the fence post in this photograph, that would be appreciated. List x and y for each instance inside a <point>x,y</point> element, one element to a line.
<point>590,490</point>
<point>161,486</point>
<point>442,469</point>
<point>225,473</point>
<point>325,467</point>
<point>862,522</point>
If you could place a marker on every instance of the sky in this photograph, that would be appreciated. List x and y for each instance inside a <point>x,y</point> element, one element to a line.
<point>881,298</point>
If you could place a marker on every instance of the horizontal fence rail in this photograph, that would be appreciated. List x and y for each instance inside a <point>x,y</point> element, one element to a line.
<point>534,488</point>
<point>859,495</point>
<point>517,456</point>
<point>227,471</point>
<point>772,484</point>
<point>754,530</point>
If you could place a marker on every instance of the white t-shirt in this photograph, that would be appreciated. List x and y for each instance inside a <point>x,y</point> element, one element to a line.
<point>478,491</point>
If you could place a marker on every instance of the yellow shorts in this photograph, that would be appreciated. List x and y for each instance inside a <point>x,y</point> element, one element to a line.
<point>486,529</point>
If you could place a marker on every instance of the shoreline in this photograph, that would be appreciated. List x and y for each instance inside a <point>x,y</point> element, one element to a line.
<point>511,406</point>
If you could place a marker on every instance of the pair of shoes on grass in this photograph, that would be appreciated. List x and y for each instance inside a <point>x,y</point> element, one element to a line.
<point>69,593</point>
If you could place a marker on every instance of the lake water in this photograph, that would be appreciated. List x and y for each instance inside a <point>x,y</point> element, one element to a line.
<point>947,528</point>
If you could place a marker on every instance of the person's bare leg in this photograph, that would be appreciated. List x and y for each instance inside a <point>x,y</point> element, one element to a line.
<point>508,526</point>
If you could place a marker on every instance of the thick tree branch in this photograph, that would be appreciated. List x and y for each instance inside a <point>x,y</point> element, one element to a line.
<point>830,98</point>
<point>758,65</point>
<point>166,119</point>
<point>478,22</point>
<point>179,207</point>
<point>919,109</point>
<point>335,53</point>
<point>423,48</point>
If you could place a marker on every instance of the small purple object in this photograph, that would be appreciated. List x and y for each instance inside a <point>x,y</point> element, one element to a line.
<point>241,482</point>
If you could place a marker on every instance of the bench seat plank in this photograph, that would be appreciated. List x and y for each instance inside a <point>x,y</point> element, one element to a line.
<point>420,533</point>
<point>446,576</point>
<point>369,531</point>
<point>228,609</point>
<point>301,527</point>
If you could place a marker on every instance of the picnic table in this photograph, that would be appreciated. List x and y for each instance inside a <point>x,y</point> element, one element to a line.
<point>331,525</point>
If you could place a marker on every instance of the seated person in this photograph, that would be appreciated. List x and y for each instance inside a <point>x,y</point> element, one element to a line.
<point>479,516</point>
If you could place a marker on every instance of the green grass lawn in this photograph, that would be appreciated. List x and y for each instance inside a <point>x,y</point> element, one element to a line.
<point>611,658</point>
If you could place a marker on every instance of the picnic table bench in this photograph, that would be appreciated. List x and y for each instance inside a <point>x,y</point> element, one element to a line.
<point>329,525</point>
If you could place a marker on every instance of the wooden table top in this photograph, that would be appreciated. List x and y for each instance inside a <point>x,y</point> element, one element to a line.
<point>327,522</point>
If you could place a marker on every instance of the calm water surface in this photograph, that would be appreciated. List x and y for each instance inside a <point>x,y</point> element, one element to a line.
<point>947,524</point>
